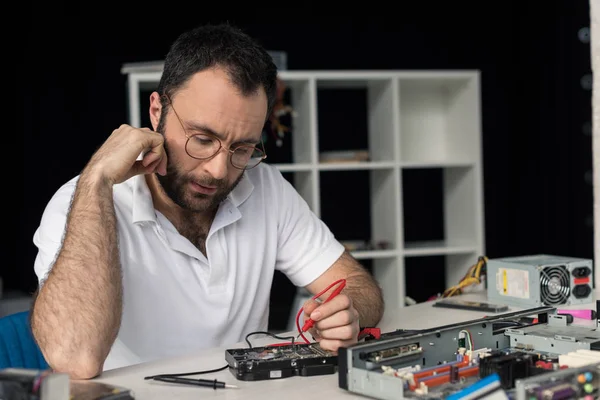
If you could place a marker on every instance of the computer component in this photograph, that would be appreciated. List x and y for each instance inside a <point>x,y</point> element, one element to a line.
<point>571,383</point>
<point>33,384</point>
<point>93,390</point>
<point>579,358</point>
<point>275,362</point>
<point>538,280</point>
<point>488,388</point>
<point>453,360</point>
<point>461,304</point>
<point>555,336</point>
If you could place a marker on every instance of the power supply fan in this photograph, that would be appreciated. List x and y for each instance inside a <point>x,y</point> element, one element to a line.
<point>555,288</point>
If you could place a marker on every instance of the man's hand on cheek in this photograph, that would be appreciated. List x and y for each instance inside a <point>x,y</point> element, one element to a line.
<point>336,322</point>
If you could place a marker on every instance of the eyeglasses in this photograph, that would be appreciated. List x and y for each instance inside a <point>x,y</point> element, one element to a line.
<point>204,146</point>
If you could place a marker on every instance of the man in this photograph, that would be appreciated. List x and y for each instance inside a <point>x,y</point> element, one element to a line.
<point>168,239</point>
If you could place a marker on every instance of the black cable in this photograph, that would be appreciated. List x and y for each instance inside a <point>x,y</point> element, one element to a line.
<point>215,384</point>
<point>189,373</point>
<point>500,327</point>
<point>505,324</point>
<point>268,334</point>
<point>226,366</point>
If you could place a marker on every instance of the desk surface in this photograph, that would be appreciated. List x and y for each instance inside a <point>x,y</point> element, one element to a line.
<point>419,316</point>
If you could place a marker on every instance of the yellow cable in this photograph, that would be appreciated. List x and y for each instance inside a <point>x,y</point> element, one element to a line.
<point>472,277</point>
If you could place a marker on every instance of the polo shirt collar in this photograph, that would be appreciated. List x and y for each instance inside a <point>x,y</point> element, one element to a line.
<point>143,207</point>
<point>242,191</point>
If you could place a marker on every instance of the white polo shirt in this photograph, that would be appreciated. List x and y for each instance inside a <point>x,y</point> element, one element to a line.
<point>176,300</point>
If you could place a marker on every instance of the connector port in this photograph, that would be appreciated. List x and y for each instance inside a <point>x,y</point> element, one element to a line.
<point>581,272</point>
<point>581,291</point>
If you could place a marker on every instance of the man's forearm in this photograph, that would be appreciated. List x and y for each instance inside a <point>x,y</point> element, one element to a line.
<point>77,313</point>
<point>364,292</point>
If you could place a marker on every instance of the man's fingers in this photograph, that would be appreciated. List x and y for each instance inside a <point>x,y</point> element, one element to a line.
<point>309,306</point>
<point>151,140</point>
<point>338,303</point>
<point>136,169</point>
<point>346,332</point>
<point>156,158</point>
<point>151,168</point>
<point>118,158</point>
<point>155,153</point>
<point>139,168</point>
<point>315,334</point>
<point>341,318</point>
<point>149,158</point>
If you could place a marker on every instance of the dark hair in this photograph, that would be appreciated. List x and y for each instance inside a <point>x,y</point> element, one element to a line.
<point>248,64</point>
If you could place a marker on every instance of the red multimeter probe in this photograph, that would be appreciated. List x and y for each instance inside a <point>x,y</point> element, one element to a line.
<point>373,332</point>
<point>309,322</point>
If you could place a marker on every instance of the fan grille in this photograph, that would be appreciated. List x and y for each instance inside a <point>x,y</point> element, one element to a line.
<point>555,287</point>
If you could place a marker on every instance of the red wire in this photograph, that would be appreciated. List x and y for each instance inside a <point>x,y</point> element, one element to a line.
<point>342,284</point>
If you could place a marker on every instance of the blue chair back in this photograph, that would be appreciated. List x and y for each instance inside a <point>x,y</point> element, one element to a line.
<point>18,348</point>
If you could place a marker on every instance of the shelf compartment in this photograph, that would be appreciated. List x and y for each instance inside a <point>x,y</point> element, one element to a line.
<point>426,275</point>
<point>441,204</point>
<point>457,258</point>
<point>296,145</point>
<point>345,204</point>
<point>439,118</point>
<point>442,216</point>
<point>361,205</point>
<point>357,115</point>
<point>423,204</point>
<point>437,271</point>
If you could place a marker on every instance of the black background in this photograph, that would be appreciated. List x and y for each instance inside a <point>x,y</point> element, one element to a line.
<point>70,95</point>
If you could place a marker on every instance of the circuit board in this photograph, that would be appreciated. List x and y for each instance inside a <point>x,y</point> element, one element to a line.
<point>516,372</point>
<point>493,356</point>
<point>276,362</point>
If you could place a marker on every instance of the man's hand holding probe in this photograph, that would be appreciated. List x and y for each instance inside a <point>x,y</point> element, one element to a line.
<point>335,322</point>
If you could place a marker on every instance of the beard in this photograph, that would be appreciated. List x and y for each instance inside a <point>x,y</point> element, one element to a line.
<point>176,185</point>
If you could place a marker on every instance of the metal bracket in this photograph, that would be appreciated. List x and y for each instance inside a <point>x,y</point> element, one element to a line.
<point>557,320</point>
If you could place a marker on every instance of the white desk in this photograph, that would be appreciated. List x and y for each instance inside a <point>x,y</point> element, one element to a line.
<point>419,316</point>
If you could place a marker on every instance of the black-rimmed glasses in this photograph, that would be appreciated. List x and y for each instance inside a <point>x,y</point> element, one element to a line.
<point>204,146</point>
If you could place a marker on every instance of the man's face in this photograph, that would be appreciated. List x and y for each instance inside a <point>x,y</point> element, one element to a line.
<point>209,103</point>
<point>182,187</point>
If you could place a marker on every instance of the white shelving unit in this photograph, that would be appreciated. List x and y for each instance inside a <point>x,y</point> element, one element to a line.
<point>416,120</point>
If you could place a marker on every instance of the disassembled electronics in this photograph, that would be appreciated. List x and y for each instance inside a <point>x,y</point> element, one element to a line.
<point>275,362</point>
<point>461,304</point>
<point>33,384</point>
<point>21,383</point>
<point>507,355</point>
<point>539,280</point>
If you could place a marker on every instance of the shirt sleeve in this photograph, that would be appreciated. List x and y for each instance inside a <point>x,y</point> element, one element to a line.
<point>306,246</point>
<point>48,236</point>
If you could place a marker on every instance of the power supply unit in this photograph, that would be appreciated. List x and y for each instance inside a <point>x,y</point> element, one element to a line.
<point>540,280</point>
